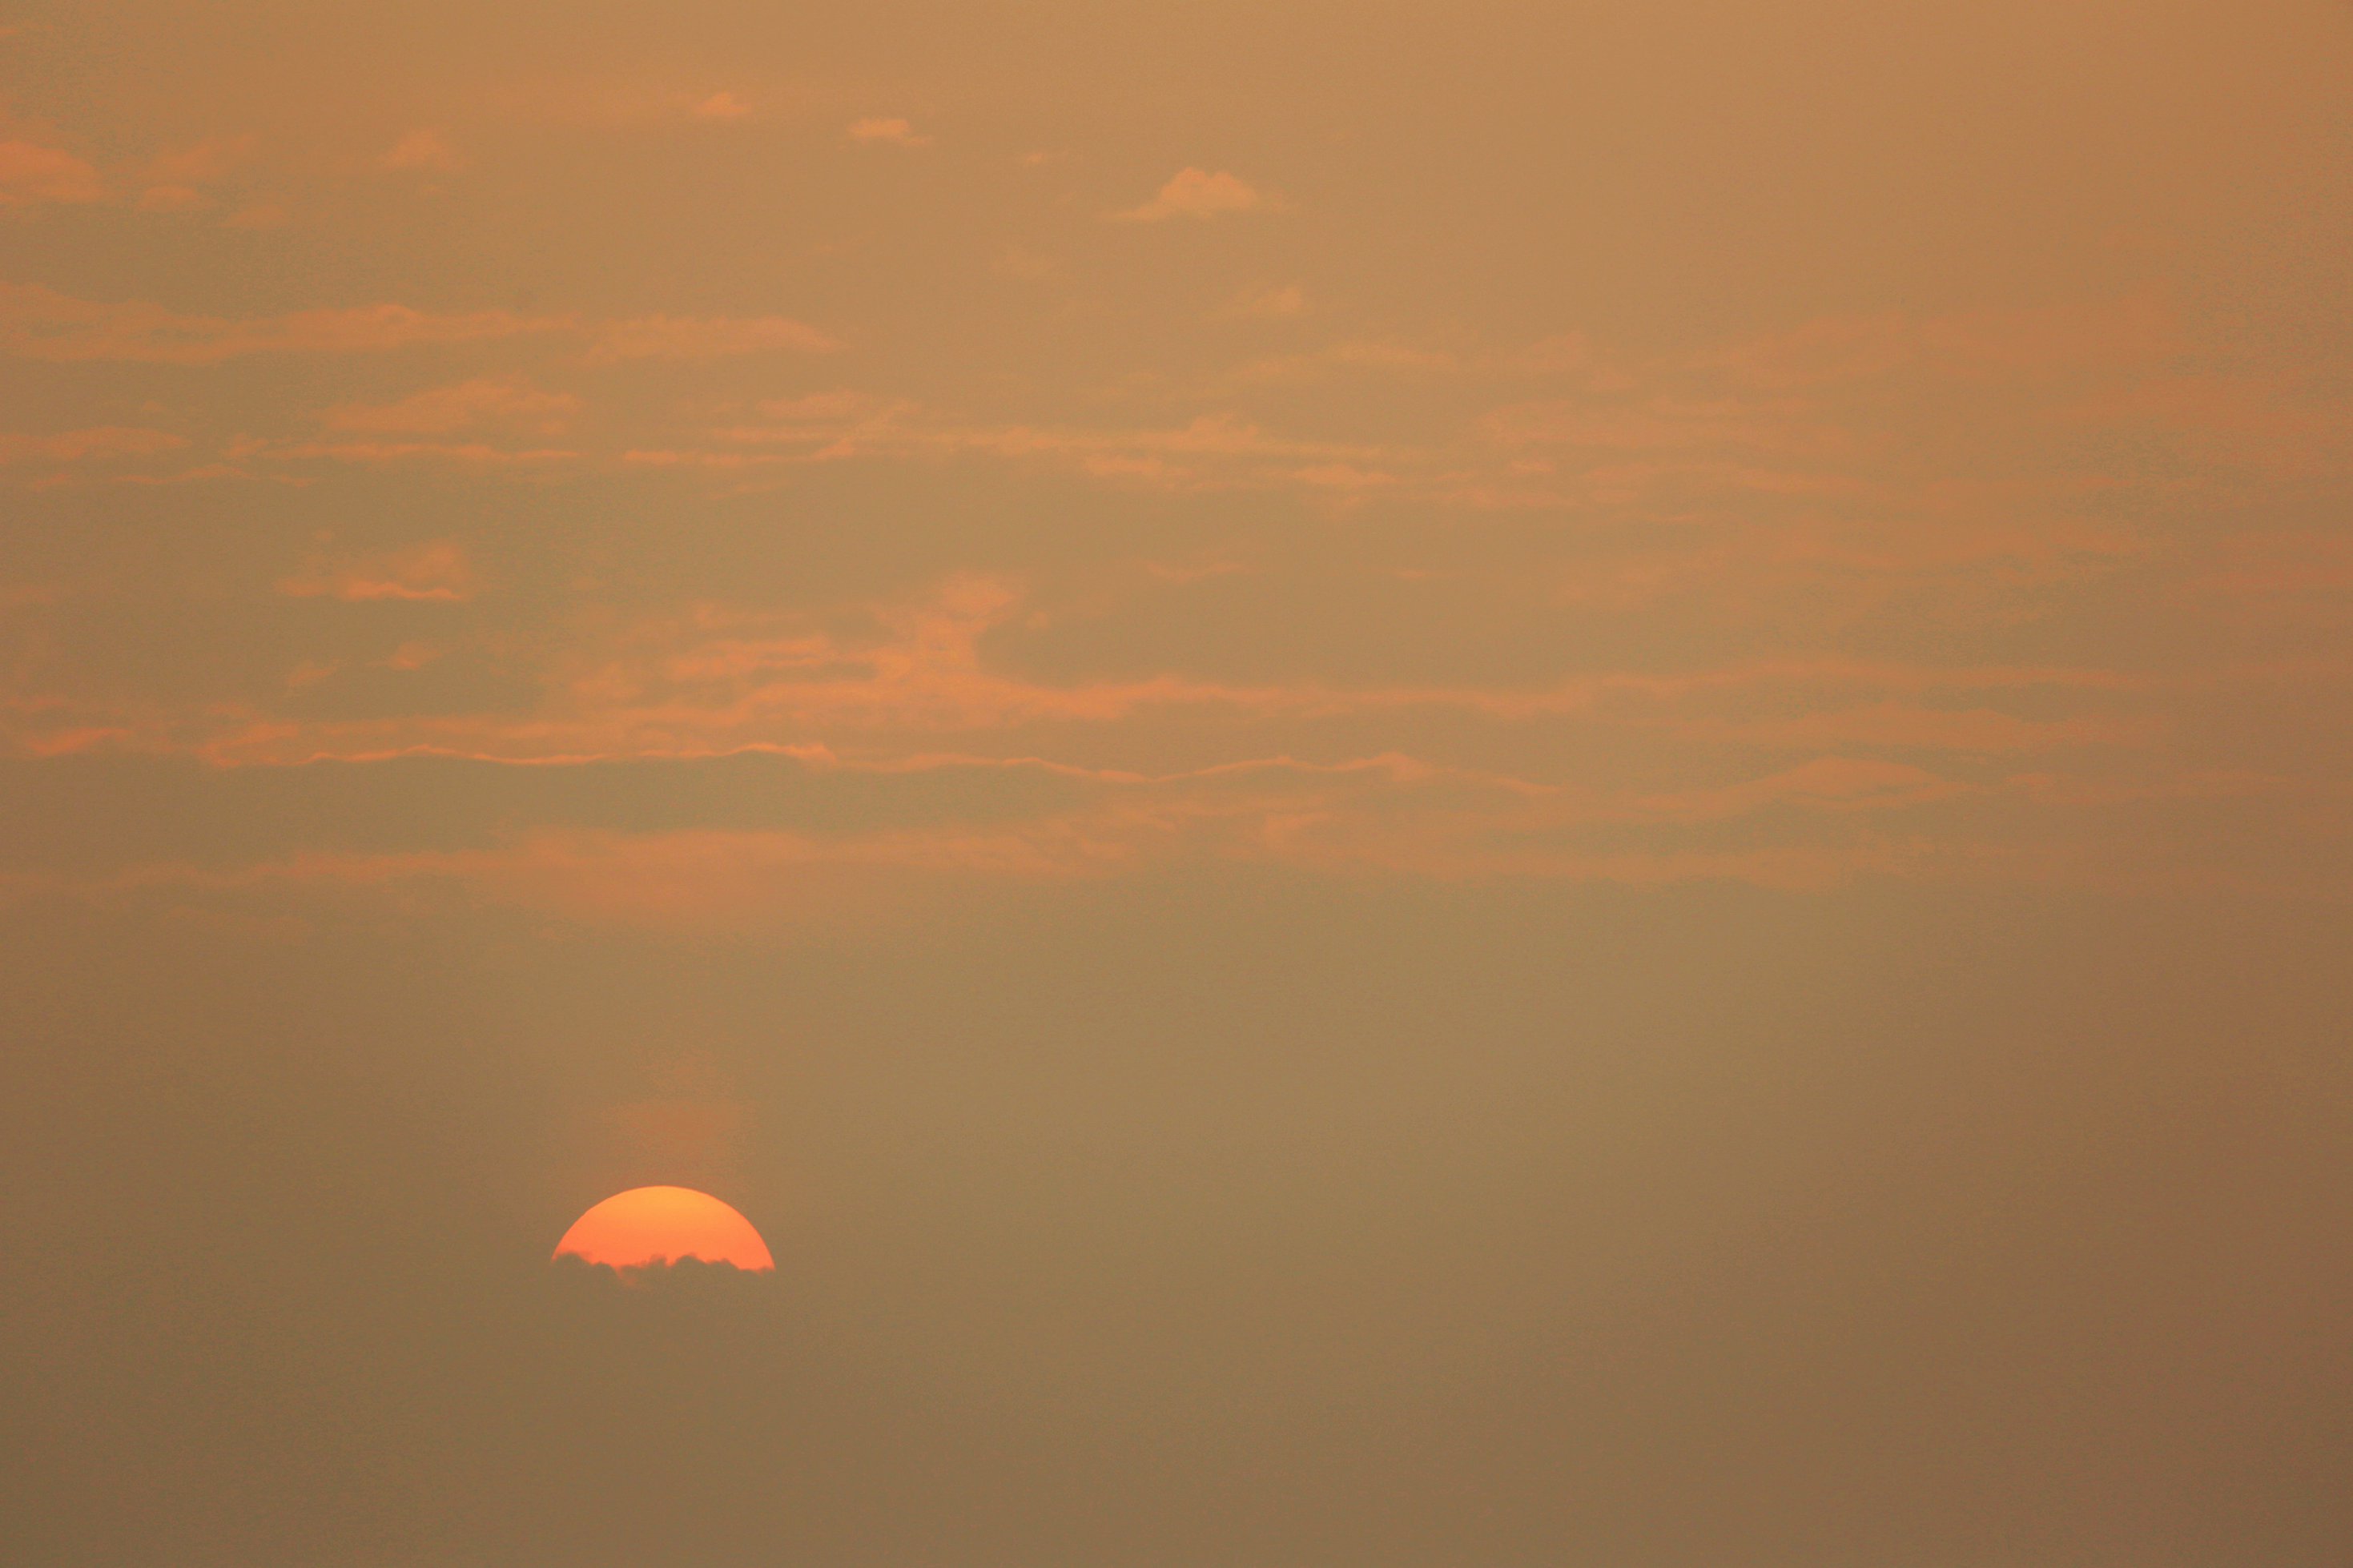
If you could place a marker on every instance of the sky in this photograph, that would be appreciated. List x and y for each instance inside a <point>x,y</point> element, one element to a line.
<point>1401,784</point>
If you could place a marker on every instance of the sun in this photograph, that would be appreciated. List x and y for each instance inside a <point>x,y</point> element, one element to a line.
<point>647,1226</point>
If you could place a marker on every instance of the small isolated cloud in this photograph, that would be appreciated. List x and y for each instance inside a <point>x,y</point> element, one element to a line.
<point>420,151</point>
<point>721,106</point>
<point>700,338</point>
<point>1198,193</point>
<point>435,571</point>
<point>897,133</point>
<point>508,401</point>
<point>1267,302</point>
<point>31,176</point>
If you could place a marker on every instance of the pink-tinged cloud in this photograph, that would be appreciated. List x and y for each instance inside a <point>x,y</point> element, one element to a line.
<point>420,151</point>
<point>435,571</point>
<point>704,338</point>
<point>96,444</point>
<point>503,401</point>
<point>32,175</point>
<point>38,322</point>
<point>891,132</point>
<point>1198,193</point>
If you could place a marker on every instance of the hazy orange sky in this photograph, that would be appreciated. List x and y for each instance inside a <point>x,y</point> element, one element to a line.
<point>1404,783</point>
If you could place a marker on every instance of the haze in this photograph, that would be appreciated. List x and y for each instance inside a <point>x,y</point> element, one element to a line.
<point>1400,784</point>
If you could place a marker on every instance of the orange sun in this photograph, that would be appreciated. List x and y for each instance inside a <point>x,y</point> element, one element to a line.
<point>661,1224</point>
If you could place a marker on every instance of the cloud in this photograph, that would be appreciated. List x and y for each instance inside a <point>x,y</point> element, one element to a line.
<point>31,176</point>
<point>930,827</point>
<point>435,571</point>
<point>206,162</point>
<point>1267,302</point>
<point>1198,193</point>
<point>259,215</point>
<point>1982,731</point>
<point>1355,357</point>
<point>2033,342</point>
<point>721,106</point>
<point>40,323</point>
<point>1214,448</point>
<point>420,151</point>
<point>176,181</point>
<point>703,338</point>
<point>96,444</point>
<point>895,133</point>
<point>1836,784</point>
<point>510,401</point>
<point>474,454</point>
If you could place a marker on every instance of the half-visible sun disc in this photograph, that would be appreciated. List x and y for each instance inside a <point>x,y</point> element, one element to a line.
<point>661,1224</point>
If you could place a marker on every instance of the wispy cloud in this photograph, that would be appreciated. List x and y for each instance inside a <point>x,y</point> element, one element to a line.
<point>96,444</point>
<point>510,401</point>
<point>42,323</point>
<point>435,571</point>
<point>39,322</point>
<point>704,338</point>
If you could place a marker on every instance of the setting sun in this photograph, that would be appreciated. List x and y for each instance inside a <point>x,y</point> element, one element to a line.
<point>647,1226</point>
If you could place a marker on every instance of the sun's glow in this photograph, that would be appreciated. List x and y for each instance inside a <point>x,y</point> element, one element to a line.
<point>660,1225</point>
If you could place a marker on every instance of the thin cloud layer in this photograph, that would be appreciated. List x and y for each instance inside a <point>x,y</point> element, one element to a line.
<point>42,323</point>
<point>492,400</point>
<point>704,338</point>
<point>435,571</point>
